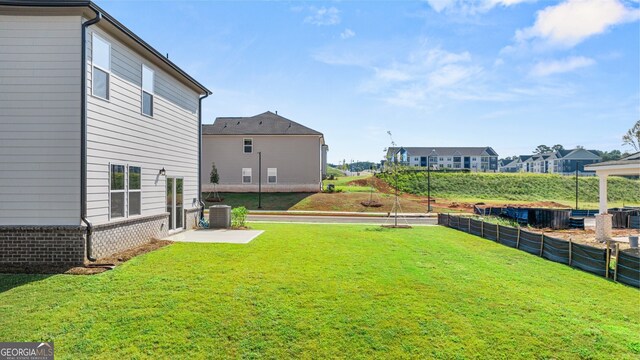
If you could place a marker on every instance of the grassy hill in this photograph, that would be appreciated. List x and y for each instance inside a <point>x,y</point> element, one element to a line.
<point>515,187</point>
<point>334,171</point>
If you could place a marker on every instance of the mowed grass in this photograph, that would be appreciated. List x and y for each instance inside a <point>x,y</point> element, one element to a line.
<point>320,291</point>
<point>342,183</point>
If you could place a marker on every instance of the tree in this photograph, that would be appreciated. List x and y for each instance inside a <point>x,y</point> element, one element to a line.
<point>557,147</point>
<point>214,178</point>
<point>541,149</point>
<point>632,137</point>
<point>610,155</point>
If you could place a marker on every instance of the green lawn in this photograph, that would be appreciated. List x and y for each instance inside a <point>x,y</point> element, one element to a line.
<point>319,291</point>
<point>342,183</point>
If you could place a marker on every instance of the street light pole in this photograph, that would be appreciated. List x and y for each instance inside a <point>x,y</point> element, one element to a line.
<point>577,164</point>
<point>259,179</point>
<point>429,183</point>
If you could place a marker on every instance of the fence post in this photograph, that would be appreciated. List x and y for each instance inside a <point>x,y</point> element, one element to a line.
<point>497,233</point>
<point>518,239</point>
<point>615,272</point>
<point>482,228</point>
<point>541,243</point>
<point>448,220</point>
<point>469,226</point>
<point>570,248</point>
<point>606,267</point>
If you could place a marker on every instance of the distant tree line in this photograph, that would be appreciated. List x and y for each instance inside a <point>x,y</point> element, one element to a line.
<point>356,166</point>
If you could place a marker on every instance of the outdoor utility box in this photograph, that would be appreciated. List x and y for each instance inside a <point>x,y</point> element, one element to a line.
<point>219,217</point>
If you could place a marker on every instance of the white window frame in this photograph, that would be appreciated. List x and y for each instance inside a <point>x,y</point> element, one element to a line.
<point>269,175</point>
<point>244,170</point>
<point>124,191</point>
<point>129,190</point>
<point>151,93</point>
<point>93,66</point>
<point>243,146</point>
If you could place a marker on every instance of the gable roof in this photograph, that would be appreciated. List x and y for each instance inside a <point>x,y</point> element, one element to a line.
<point>266,123</point>
<point>633,159</point>
<point>445,151</point>
<point>581,154</point>
<point>115,23</point>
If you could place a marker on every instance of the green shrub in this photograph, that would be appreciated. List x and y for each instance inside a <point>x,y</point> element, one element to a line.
<point>239,217</point>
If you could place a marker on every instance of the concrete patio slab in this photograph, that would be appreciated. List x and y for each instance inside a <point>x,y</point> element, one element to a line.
<point>222,236</point>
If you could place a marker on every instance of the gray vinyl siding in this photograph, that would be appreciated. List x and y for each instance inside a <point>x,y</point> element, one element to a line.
<point>119,134</point>
<point>297,158</point>
<point>40,120</point>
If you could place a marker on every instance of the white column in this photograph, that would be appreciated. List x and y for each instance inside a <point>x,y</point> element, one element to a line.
<point>603,193</point>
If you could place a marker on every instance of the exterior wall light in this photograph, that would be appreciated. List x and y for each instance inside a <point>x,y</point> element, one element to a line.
<point>162,172</point>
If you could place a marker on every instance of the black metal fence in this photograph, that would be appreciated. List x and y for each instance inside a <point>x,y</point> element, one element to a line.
<point>594,260</point>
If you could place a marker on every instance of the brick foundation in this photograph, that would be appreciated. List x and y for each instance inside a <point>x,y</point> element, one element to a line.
<point>25,247</point>
<point>114,237</point>
<point>29,248</point>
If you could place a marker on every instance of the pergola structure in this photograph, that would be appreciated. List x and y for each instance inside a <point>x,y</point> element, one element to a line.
<point>629,165</point>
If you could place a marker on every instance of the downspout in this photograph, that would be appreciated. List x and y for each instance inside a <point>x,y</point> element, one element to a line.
<point>83,134</point>
<point>200,154</point>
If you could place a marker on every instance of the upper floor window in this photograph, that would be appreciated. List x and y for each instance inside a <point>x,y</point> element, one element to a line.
<point>248,146</point>
<point>101,66</point>
<point>147,90</point>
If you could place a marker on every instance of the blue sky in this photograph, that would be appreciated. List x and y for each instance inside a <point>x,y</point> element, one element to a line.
<point>511,74</point>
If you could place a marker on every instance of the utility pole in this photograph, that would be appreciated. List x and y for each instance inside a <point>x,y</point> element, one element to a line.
<point>429,184</point>
<point>259,179</point>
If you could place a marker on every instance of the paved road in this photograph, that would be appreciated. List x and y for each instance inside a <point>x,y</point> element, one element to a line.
<point>341,219</point>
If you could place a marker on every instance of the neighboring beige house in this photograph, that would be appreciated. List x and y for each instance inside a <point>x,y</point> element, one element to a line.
<point>294,157</point>
<point>99,136</point>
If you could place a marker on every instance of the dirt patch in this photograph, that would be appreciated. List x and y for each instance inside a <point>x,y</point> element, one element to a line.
<point>377,184</point>
<point>109,262</point>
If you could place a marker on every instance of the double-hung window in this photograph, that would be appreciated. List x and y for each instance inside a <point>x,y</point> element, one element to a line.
<point>246,175</point>
<point>117,191</point>
<point>272,175</point>
<point>147,90</point>
<point>135,190</point>
<point>101,67</point>
<point>248,146</point>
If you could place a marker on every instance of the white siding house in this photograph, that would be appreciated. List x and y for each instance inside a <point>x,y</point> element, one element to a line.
<point>133,177</point>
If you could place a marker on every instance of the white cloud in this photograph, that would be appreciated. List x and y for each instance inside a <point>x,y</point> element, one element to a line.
<point>545,68</point>
<point>470,6</point>
<point>323,16</point>
<point>573,21</point>
<point>425,75</point>
<point>347,33</point>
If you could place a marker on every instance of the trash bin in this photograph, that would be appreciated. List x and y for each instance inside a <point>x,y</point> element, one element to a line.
<point>633,242</point>
<point>219,217</point>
